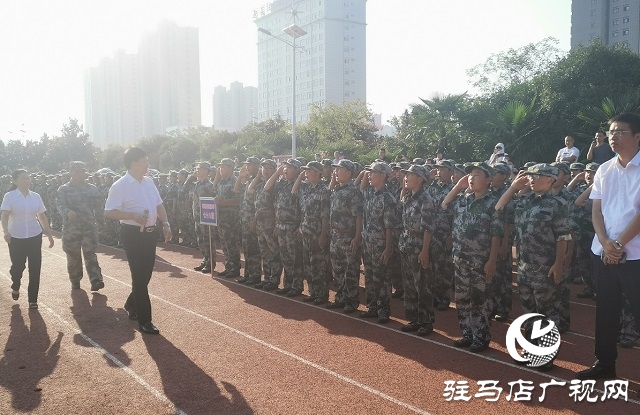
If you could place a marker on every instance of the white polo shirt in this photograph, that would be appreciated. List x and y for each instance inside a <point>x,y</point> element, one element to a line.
<point>132,196</point>
<point>618,189</point>
<point>568,152</point>
<point>22,209</point>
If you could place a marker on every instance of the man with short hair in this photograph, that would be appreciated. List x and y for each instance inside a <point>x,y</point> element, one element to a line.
<point>568,154</point>
<point>616,221</point>
<point>134,201</point>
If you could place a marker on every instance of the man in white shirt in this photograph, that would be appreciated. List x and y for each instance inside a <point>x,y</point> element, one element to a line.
<point>569,154</point>
<point>134,201</point>
<point>616,246</point>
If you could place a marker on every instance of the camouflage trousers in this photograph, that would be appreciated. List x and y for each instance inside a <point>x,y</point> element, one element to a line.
<point>538,291</point>
<point>345,268</point>
<point>269,250</point>
<point>172,217</point>
<point>395,267</point>
<point>315,263</point>
<point>563,300</point>
<point>186,228</point>
<point>110,234</point>
<point>230,241</point>
<point>252,260</point>
<point>416,282</point>
<point>582,267</point>
<point>628,326</point>
<point>378,284</point>
<point>473,300</point>
<point>291,256</point>
<point>442,263</point>
<point>202,237</point>
<point>77,244</point>
<point>501,286</point>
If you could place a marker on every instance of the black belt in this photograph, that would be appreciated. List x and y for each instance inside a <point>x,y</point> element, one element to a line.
<point>145,229</point>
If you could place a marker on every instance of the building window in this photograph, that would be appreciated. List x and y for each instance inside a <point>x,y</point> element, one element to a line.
<point>615,10</point>
<point>626,8</point>
<point>625,19</point>
<point>615,22</point>
<point>625,32</point>
<point>616,33</point>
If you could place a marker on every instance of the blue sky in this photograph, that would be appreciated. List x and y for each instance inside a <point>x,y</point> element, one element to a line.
<point>415,48</point>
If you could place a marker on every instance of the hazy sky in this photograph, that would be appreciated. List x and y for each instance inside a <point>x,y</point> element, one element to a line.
<point>415,48</point>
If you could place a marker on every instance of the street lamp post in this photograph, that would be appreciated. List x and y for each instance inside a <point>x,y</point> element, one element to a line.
<point>295,32</point>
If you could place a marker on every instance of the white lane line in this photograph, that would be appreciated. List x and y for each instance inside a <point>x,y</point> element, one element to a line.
<point>159,395</point>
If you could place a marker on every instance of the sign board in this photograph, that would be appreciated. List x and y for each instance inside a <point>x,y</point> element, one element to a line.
<point>208,211</point>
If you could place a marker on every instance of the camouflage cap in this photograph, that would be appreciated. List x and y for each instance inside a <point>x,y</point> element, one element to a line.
<point>543,169</point>
<point>77,165</point>
<point>528,164</point>
<point>592,167</point>
<point>227,162</point>
<point>418,160</point>
<point>447,164</point>
<point>293,163</point>
<point>204,165</point>
<point>419,170</point>
<point>501,168</point>
<point>460,167</point>
<point>326,162</point>
<point>576,166</point>
<point>252,160</point>
<point>347,164</point>
<point>380,166</point>
<point>303,161</point>
<point>468,167</point>
<point>403,165</point>
<point>313,165</point>
<point>563,167</point>
<point>269,162</point>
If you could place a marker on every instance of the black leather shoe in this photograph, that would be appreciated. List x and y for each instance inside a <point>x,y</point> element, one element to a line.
<point>463,342</point>
<point>411,326</point>
<point>199,267</point>
<point>478,346</point>
<point>149,328</point>
<point>98,285</point>
<point>223,273</point>
<point>369,314</point>
<point>334,306</point>
<point>309,299</point>
<point>425,329</point>
<point>597,371</point>
<point>283,291</point>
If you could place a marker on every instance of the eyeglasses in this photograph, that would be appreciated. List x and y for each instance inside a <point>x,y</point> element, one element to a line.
<point>617,133</point>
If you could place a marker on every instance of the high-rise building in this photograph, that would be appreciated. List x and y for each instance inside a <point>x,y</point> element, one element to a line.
<point>613,22</point>
<point>131,96</point>
<point>330,61</point>
<point>233,109</point>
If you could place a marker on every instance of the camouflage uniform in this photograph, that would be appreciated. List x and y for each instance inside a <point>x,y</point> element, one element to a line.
<point>265,230</point>
<point>563,290</point>
<point>395,264</point>
<point>314,207</point>
<point>540,221</point>
<point>582,267</point>
<point>287,223</point>
<point>185,213</point>
<point>418,217</point>
<point>346,206</point>
<point>56,219</point>
<point>228,226</point>
<point>203,188</point>
<point>502,283</point>
<point>440,254</point>
<point>380,213</point>
<point>80,234</point>
<point>475,223</point>
<point>252,260</point>
<point>170,203</point>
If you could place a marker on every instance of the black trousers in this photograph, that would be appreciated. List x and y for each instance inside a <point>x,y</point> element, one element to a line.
<point>140,248</point>
<point>22,250</point>
<point>613,280</point>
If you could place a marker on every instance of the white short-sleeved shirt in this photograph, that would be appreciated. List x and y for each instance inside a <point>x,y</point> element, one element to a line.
<point>22,209</point>
<point>132,196</point>
<point>568,152</point>
<point>618,189</point>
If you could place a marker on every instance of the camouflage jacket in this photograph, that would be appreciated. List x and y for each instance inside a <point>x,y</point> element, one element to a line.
<point>264,202</point>
<point>346,204</point>
<point>540,221</point>
<point>163,189</point>
<point>224,190</point>
<point>171,198</point>
<point>418,216</point>
<point>286,204</point>
<point>314,206</point>
<point>82,199</point>
<point>475,223</point>
<point>444,218</point>
<point>380,212</point>
<point>202,188</point>
<point>438,191</point>
<point>247,204</point>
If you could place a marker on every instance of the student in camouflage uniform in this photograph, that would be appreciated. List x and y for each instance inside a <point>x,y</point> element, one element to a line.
<point>56,219</point>
<point>252,260</point>
<point>80,204</point>
<point>287,224</point>
<point>185,208</point>
<point>203,188</point>
<point>345,223</point>
<point>502,282</point>
<point>381,219</point>
<point>395,185</point>
<point>543,233</point>
<point>441,241</point>
<point>477,234</point>
<point>418,224</point>
<point>265,226</point>
<point>111,228</point>
<point>313,196</point>
<point>228,203</point>
<point>170,203</point>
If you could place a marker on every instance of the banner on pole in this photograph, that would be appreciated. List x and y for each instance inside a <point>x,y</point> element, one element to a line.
<point>208,212</point>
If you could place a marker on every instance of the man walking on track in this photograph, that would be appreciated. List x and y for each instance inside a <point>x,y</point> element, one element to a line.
<point>134,201</point>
